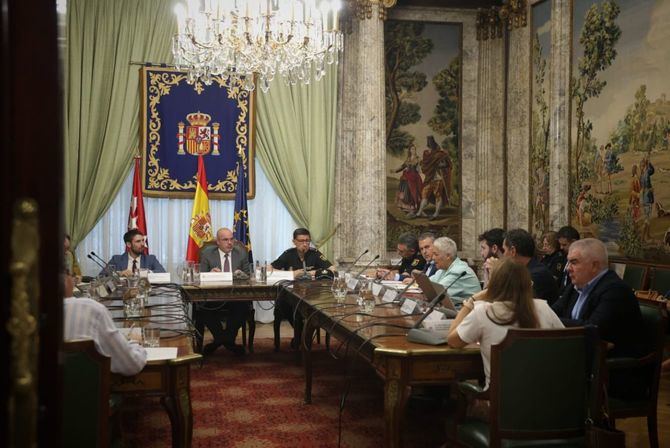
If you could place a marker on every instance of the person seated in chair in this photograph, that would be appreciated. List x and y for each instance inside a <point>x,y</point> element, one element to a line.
<point>84,318</point>
<point>599,297</point>
<point>134,258</point>
<point>453,273</point>
<point>520,248</point>
<point>507,303</point>
<point>226,256</point>
<point>296,259</point>
<point>411,259</point>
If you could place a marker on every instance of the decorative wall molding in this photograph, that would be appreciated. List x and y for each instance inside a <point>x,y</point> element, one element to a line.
<point>491,22</point>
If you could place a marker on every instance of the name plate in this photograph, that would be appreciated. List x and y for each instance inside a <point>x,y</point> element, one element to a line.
<point>352,283</point>
<point>442,325</point>
<point>389,296</point>
<point>110,285</point>
<point>408,306</point>
<point>435,316</point>
<point>102,291</point>
<point>207,277</point>
<point>157,278</point>
<point>377,289</point>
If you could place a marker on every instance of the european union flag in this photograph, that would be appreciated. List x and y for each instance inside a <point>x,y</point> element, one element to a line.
<point>241,215</point>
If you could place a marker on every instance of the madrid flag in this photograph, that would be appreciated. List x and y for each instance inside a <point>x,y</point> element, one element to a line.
<point>136,219</point>
<point>200,230</point>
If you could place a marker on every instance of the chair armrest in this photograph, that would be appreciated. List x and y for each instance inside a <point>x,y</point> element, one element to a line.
<point>472,390</point>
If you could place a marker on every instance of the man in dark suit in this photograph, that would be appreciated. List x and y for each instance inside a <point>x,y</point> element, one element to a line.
<point>134,258</point>
<point>426,241</point>
<point>224,257</point>
<point>520,247</point>
<point>599,297</point>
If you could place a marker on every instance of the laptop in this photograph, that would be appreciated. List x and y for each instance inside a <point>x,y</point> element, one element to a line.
<point>432,290</point>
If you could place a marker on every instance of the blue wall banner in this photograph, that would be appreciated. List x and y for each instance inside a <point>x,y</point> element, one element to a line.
<point>180,121</point>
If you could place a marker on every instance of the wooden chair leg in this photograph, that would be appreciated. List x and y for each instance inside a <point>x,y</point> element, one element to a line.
<point>244,334</point>
<point>327,341</point>
<point>318,336</point>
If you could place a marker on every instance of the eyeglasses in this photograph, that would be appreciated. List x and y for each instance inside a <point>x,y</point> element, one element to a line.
<point>303,241</point>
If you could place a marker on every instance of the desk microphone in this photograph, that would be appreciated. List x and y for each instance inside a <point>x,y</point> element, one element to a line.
<point>96,261</point>
<point>355,261</point>
<point>398,298</point>
<point>366,266</point>
<point>104,265</point>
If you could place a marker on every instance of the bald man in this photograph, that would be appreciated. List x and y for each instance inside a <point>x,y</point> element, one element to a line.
<point>225,257</point>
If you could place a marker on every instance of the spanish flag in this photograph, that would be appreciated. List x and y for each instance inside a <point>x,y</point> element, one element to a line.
<point>200,230</point>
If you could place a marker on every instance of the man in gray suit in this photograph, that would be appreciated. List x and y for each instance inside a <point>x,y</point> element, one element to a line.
<point>225,257</point>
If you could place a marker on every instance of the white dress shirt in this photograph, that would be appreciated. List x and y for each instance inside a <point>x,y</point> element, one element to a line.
<point>87,319</point>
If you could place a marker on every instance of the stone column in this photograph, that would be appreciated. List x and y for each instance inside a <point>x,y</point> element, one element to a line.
<point>518,129</point>
<point>360,189</point>
<point>490,158</point>
<point>559,138</point>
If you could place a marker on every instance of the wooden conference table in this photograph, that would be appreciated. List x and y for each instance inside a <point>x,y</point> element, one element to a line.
<point>399,363</point>
<point>167,379</point>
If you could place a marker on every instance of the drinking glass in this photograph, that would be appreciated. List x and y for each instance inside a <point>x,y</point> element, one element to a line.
<point>363,290</point>
<point>152,336</point>
<point>340,289</point>
<point>368,301</point>
<point>134,306</point>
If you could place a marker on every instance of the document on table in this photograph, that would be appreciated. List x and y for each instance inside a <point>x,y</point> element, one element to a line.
<point>161,353</point>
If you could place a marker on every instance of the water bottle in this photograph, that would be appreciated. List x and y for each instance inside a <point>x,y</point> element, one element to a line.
<point>258,271</point>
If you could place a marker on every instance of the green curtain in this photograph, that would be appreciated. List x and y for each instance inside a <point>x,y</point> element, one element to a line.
<point>296,135</point>
<point>102,97</point>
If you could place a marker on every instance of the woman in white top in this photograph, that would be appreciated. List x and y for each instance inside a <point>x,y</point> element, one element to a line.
<point>506,303</point>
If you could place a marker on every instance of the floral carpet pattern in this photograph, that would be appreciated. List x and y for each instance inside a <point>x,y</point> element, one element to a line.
<point>257,401</point>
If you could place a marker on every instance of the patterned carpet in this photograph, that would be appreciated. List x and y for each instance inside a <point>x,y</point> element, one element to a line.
<point>257,401</point>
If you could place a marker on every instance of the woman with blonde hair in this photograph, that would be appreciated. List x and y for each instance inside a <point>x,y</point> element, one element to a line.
<point>506,303</point>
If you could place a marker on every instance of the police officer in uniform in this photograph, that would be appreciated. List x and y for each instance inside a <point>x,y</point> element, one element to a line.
<point>554,258</point>
<point>411,259</point>
<point>297,259</point>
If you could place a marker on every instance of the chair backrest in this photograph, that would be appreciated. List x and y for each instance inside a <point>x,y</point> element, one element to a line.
<point>86,385</point>
<point>654,323</point>
<point>634,276</point>
<point>540,381</point>
<point>660,281</point>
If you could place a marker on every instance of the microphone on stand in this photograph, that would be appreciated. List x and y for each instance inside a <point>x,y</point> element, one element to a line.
<point>103,264</point>
<point>398,298</point>
<point>367,266</point>
<point>96,261</point>
<point>355,261</point>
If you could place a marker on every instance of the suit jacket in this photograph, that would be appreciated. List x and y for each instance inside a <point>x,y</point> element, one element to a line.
<point>150,262</point>
<point>612,307</point>
<point>544,285</point>
<point>430,268</point>
<point>239,259</point>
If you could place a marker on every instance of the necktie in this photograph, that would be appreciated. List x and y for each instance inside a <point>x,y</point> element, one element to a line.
<point>226,263</point>
<point>134,266</point>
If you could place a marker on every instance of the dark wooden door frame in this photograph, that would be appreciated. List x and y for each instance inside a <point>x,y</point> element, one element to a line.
<point>31,167</point>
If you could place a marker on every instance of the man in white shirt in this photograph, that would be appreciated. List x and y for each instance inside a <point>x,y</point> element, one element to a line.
<point>87,319</point>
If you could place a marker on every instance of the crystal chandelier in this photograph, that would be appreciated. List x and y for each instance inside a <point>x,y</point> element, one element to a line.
<point>239,38</point>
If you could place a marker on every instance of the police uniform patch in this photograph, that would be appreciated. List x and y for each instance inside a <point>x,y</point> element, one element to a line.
<point>415,262</point>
